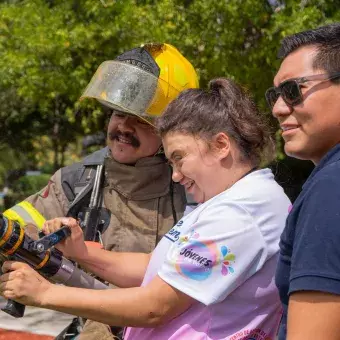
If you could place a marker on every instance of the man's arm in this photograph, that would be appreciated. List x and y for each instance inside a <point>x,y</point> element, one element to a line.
<point>313,315</point>
<point>51,201</point>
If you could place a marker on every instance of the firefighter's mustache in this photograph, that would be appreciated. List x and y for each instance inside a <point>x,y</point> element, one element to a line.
<point>128,136</point>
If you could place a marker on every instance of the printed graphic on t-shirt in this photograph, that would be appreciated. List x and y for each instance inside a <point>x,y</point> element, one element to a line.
<point>174,232</point>
<point>254,334</point>
<point>228,261</point>
<point>195,258</point>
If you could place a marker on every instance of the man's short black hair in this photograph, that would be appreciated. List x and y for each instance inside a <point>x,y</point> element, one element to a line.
<point>327,41</point>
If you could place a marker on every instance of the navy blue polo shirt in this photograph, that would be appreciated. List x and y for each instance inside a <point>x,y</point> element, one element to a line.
<point>310,243</point>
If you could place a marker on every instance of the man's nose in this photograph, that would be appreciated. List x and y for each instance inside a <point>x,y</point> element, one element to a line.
<point>281,108</point>
<point>126,124</point>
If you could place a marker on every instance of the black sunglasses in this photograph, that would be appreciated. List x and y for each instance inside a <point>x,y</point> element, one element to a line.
<point>290,89</point>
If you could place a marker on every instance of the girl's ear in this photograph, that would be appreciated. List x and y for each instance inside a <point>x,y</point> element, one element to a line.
<point>221,145</point>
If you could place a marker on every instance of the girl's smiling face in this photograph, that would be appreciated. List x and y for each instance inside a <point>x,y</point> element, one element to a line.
<point>195,165</point>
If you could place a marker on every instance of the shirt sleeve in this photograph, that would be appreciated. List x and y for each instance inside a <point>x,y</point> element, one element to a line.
<point>216,254</point>
<point>51,201</point>
<point>315,262</point>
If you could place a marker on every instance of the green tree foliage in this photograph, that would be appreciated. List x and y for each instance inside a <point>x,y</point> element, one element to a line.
<point>24,187</point>
<point>49,50</point>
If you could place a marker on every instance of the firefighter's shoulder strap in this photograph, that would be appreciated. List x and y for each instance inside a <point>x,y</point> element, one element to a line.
<point>77,180</point>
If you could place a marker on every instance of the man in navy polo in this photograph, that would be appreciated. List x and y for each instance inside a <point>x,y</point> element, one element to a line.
<point>306,102</point>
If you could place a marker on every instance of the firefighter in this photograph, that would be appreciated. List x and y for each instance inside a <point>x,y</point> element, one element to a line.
<point>135,187</point>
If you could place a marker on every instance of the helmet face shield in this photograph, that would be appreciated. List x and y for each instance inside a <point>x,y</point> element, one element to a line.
<point>127,88</point>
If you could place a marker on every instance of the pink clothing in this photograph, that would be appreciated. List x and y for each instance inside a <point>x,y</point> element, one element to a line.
<point>224,254</point>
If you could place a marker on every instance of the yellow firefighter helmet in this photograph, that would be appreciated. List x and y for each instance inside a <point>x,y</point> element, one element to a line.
<point>142,81</point>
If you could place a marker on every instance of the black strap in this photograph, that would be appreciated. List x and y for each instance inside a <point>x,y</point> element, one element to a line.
<point>174,214</point>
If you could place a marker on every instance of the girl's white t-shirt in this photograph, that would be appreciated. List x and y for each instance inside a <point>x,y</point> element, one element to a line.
<point>223,254</point>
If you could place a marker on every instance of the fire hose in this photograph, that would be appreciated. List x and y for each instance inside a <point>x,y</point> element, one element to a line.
<point>43,257</point>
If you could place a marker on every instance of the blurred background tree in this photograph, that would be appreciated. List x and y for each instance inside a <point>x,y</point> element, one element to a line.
<point>49,49</point>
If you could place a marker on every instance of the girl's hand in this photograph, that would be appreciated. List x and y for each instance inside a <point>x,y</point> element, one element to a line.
<point>73,247</point>
<point>23,284</point>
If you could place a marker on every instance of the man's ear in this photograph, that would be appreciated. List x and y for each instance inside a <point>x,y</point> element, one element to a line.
<point>221,144</point>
